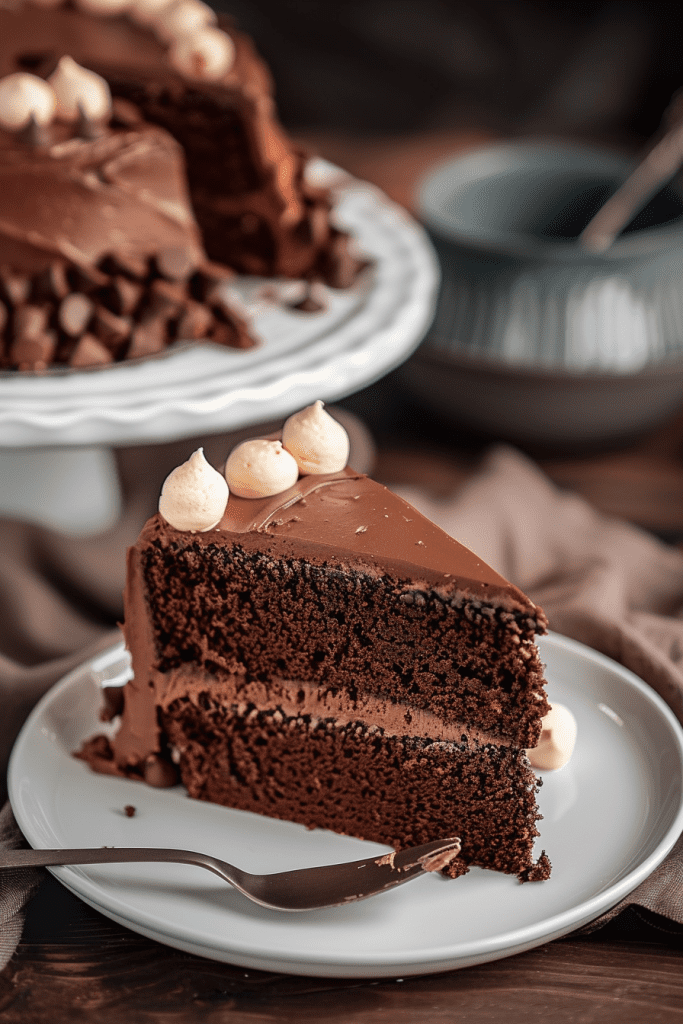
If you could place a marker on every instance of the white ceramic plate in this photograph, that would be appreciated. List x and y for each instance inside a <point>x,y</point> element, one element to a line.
<point>365,331</point>
<point>610,817</point>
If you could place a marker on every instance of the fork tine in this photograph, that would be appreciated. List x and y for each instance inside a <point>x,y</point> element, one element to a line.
<point>332,885</point>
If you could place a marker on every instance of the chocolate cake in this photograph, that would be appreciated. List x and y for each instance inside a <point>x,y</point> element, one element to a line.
<point>328,656</point>
<point>256,211</point>
<point>100,256</point>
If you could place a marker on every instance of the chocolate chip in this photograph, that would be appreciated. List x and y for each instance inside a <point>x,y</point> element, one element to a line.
<point>194,322</point>
<point>30,321</point>
<point>159,772</point>
<point>85,279</point>
<point>229,335</point>
<point>339,267</point>
<point>121,295</point>
<point>111,329</point>
<point>166,298</point>
<point>74,314</point>
<point>14,288</point>
<point>50,284</point>
<point>174,263</point>
<point>89,351</point>
<point>207,277</point>
<point>129,811</point>
<point>127,264</point>
<point>148,337</point>
<point>35,353</point>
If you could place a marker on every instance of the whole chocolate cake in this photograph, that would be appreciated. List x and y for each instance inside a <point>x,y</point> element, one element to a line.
<point>316,650</point>
<point>100,256</point>
<point>204,83</point>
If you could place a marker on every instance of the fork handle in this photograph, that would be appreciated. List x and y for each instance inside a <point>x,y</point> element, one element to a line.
<point>100,855</point>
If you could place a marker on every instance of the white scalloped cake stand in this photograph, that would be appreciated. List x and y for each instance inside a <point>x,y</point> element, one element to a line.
<point>363,333</point>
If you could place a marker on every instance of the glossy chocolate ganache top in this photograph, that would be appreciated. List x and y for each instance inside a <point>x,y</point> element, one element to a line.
<point>348,518</point>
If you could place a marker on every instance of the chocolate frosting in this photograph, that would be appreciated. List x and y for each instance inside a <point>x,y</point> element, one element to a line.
<point>122,194</point>
<point>350,519</point>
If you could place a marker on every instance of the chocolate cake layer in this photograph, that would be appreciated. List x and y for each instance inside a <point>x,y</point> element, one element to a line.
<point>400,782</point>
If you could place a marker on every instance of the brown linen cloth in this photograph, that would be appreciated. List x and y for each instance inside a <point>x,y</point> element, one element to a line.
<point>600,581</point>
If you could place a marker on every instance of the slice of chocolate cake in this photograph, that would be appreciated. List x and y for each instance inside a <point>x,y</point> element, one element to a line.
<point>327,655</point>
<point>202,81</point>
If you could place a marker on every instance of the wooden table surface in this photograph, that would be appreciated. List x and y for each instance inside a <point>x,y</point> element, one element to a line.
<point>75,965</point>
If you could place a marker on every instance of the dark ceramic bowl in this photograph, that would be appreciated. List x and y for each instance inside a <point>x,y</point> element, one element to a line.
<point>535,339</point>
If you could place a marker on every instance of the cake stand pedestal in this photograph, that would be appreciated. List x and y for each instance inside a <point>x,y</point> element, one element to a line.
<point>73,490</point>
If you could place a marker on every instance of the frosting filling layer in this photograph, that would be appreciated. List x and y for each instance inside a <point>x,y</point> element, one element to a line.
<point>299,699</point>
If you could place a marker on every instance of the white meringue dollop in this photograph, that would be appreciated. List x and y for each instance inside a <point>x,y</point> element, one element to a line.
<point>557,740</point>
<point>206,54</point>
<point>260,468</point>
<point>317,441</point>
<point>22,97</point>
<point>194,496</point>
<point>78,89</point>
<point>183,17</point>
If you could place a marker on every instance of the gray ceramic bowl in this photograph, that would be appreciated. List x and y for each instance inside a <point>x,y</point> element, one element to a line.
<point>535,339</point>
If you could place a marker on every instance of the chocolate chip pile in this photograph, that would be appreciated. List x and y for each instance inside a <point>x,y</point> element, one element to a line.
<point>76,316</point>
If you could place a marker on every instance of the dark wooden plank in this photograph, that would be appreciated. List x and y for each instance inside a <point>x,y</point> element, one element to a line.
<point>129,978</point>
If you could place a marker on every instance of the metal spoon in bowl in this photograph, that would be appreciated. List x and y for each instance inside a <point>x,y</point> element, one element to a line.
<point>653,172</point>
<point>331,885</point>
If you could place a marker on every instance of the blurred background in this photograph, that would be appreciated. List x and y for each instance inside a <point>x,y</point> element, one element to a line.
<point>372,68</point>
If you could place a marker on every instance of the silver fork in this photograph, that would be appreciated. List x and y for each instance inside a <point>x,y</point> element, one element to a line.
<point>303,889</point>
